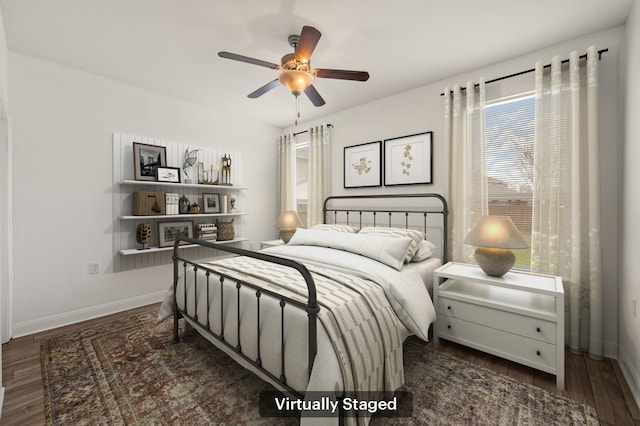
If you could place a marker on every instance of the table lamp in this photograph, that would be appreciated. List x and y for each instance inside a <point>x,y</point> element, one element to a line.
<point>288,222</point>
<point>494,237</point>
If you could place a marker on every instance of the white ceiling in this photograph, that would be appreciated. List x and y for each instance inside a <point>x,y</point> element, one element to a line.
<point>171,46</point>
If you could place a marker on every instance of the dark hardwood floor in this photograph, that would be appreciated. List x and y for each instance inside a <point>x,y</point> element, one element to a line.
<point>596,383</point>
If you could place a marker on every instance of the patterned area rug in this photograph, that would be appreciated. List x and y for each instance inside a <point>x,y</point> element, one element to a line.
<point>450,391</point>
<point>127,372</point>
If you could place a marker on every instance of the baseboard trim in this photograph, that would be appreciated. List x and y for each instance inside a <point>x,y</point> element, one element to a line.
<point>2,389</point>
<point>630,374</point>
<point>610,349</point>
<point>84,314</point>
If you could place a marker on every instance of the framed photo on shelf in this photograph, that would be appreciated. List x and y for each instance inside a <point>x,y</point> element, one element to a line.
<point>408,160</point>
<point>211,203</point>
<point>168,232</point>
<point>146,159</point>
<point>168,174</point>
<point>363,165</point>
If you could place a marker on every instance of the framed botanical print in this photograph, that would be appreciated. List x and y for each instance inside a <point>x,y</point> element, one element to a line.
<point>146,159</point>
<point>408,160</point>
<point>363,165</point>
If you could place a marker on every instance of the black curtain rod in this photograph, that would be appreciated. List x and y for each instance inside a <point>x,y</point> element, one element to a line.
<point>600,52</point>
<point>305,131</point>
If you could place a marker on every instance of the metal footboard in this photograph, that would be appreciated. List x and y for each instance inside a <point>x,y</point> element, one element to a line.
<point>183,265</point>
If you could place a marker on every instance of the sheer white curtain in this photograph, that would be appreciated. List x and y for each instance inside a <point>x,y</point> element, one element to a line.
<point>566,237</point>
<point>464,115</point>
<point>319,171</point>
<point>287,147</point>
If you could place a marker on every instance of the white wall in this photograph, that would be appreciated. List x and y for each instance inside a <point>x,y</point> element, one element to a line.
<point>4,52</point>
<point>629,286</point>
<point>421,109</point>
<point>63,120</point>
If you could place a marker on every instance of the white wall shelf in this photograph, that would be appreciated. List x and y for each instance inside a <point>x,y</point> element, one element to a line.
<point>135,251</point>
<point>126,251</point>
<point>182,185</point>
<point>174,216</point>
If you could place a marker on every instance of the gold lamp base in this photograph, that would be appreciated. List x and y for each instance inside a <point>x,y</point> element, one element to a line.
<point>495,262</point>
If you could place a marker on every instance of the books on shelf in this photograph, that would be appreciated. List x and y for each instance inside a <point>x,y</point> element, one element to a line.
<point>206,231</point>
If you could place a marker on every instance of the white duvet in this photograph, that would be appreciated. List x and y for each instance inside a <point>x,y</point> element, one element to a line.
<point>404,288</point>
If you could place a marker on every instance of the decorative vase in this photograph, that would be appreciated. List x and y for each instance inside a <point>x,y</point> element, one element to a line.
<point>183,205</point>
<point>143,235</point>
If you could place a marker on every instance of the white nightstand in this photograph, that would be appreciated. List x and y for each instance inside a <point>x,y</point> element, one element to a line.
<point>271,243</point>
<point>519,316</point>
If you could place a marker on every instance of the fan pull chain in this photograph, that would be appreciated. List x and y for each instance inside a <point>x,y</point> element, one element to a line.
<point>297,109</point>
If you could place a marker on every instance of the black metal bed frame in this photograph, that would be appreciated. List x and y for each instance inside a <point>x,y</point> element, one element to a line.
<point>311,307</point>
<point>443,210</point>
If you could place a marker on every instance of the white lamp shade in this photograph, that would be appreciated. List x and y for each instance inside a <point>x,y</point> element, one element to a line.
<point>495,232</point>
<point>288,220</point>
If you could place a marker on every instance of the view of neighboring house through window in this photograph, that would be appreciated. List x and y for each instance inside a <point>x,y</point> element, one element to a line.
<point>509,132</point>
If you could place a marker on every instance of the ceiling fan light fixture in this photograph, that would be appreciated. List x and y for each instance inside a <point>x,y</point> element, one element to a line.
<point>296,81</point>
<point>295,69</point>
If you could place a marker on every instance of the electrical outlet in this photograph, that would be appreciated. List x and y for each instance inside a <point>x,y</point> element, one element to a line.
<point>94,268</point>
<point>633,307</point>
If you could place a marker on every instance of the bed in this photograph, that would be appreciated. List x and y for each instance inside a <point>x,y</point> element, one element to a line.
<point>326,313</point>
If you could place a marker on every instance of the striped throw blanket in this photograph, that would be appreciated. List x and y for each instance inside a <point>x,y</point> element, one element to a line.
<point>355,313</point>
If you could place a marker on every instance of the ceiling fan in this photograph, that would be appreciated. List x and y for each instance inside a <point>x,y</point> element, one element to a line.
<point>296,72</point>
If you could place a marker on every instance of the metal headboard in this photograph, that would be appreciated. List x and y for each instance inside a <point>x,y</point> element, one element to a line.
<point>397,210</point>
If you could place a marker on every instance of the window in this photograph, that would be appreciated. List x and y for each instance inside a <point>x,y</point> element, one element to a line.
<point>509,133</point>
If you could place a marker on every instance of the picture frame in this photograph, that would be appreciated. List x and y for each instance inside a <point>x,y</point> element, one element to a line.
<point>168,174</point>
<point>211,203</point>
<point>363,165</point>
<point>408,160</point>
<point>146,159</point>
<point>168,231</point>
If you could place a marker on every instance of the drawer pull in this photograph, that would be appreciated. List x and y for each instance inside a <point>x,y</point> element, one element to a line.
<point>449,307</point>
<point>449,326</point>
<point>538,353</point>
<point>538,329</point>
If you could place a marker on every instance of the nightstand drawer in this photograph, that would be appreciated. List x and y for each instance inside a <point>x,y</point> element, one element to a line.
<point>534,328</point>
<point>526,351</point>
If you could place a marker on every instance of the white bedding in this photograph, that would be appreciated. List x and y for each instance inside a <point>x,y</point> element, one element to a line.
<point>405,289</point>
<point>425,269</point>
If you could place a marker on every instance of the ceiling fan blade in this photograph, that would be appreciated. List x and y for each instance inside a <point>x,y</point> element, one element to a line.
<point>314,96</point>
<point>341,74</point>
<point>264,89</point>
<point>236,57</point>
<point>309,38</point>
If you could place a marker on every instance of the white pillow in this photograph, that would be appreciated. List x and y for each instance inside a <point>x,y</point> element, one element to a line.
<point>425,250</point>
<point>415,235</point>
<point>336,227</point>
<point>390,251</point>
